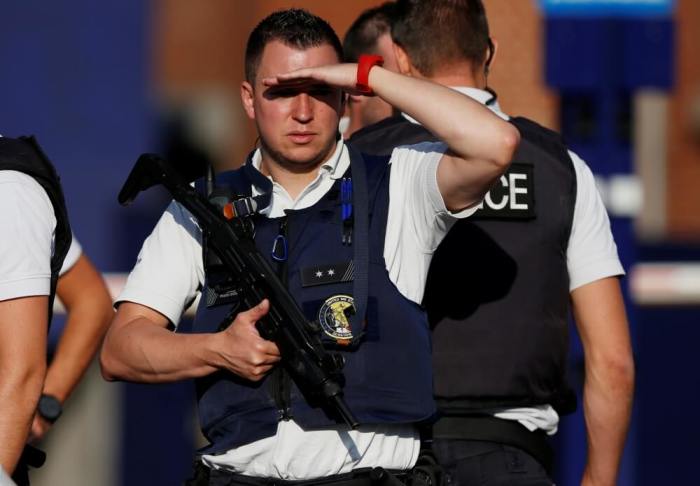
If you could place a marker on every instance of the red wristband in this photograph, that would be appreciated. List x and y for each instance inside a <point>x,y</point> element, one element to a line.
<point>364,64</point>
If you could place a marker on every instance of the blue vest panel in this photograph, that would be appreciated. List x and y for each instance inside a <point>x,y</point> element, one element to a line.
<point>388,375</point>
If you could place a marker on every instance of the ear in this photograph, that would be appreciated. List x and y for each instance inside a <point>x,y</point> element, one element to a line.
<point>491,51</point>
<point>402,60</point>
<point>248,98</point>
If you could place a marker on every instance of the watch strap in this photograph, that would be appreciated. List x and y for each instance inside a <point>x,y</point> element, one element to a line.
<point>49,408</point>
<point>364,65</point>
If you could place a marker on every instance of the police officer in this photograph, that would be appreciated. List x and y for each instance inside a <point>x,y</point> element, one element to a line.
<point>294,94</point>
<point>370,33</point>
<point>540,240</point>
<point>34,238</point>
<point>80,286</point>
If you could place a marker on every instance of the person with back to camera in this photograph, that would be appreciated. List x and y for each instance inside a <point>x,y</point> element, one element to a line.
<point>34,238</point>
<point>370,33</point>
<point>30,188</point>
<point>501,285</point>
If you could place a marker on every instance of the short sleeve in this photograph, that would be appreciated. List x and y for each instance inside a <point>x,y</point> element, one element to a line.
<point>169,270</point>
<point>74,252</point>
<point>418,219</point>
<point>592,253</point>
<point>27,226</point>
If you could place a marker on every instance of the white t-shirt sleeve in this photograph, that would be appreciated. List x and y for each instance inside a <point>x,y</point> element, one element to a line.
<point>74,252</point>
<point>418,219</point>
<point>27,226</point>
<point>592,253</point>
<point>169,269</point>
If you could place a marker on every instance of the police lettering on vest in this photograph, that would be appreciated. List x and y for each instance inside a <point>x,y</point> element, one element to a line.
<point>512,197</point>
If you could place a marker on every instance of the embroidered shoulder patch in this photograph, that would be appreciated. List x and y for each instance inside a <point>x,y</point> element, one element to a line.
<point>333,317</point>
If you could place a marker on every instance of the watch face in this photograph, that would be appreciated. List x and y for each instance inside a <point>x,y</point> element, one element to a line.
<point>49,408</point>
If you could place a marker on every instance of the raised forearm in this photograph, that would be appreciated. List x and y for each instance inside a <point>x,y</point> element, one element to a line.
<point>470,129</point>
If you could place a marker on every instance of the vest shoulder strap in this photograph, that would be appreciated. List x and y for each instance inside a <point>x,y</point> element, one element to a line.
<point>544,138</point>
<point>24,154</point>
<point>382,137</point>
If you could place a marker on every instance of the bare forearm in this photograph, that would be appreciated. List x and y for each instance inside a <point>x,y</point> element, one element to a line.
<point>19,396</point>
<point>608,392</point>
<point>142,352</point>
<point>138,347</point>
<point>79,342</point>
<point>89,306</point>
<point>471,130</point>
<point>22,369</point>
<point>609,386</point>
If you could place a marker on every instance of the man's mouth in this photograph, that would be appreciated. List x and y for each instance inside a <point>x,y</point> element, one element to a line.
<point>301,138</point>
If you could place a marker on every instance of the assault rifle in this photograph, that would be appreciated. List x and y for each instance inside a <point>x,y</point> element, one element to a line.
<point>316,371</point>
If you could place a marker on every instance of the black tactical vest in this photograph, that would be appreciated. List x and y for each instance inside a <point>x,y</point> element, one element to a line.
<point>24,154</point>
<point>497,293</point>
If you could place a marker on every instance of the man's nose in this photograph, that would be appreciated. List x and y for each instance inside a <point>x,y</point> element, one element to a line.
<point>303,108</point>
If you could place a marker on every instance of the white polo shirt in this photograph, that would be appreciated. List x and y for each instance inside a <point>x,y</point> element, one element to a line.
<point>169,271</point>
<point>27,231</point>
<point>27,225</point>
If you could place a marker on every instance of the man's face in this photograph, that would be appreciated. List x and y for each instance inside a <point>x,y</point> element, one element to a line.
<point>297,125</point>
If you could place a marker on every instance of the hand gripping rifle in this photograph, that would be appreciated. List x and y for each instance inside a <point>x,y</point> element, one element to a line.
<point>316,371</point>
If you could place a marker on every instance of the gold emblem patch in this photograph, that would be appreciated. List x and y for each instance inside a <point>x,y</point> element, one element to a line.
<point>333,317</point>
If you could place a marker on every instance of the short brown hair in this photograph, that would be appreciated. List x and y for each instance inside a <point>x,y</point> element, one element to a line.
<point>365,31</point>
<point>436,33</point>
<point>293,27</point>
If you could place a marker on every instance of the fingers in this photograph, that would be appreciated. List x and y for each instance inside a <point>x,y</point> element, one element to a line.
<point>266,348</point>
<point>301,77</point>
<point>287,81</point>
<point>38,430</point>
<point>255,365</point>
<point>247,320</point>
<point>305,73</point>
<point>298,76</point>
<point>258,373</point>
<point>254,314</point>
<point>242,349</point>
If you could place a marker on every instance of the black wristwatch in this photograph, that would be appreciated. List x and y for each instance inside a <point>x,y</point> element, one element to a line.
<point>49,408</point>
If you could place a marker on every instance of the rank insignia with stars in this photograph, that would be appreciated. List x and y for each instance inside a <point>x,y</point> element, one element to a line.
<point>327,274</point>
<point>334,317</point>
